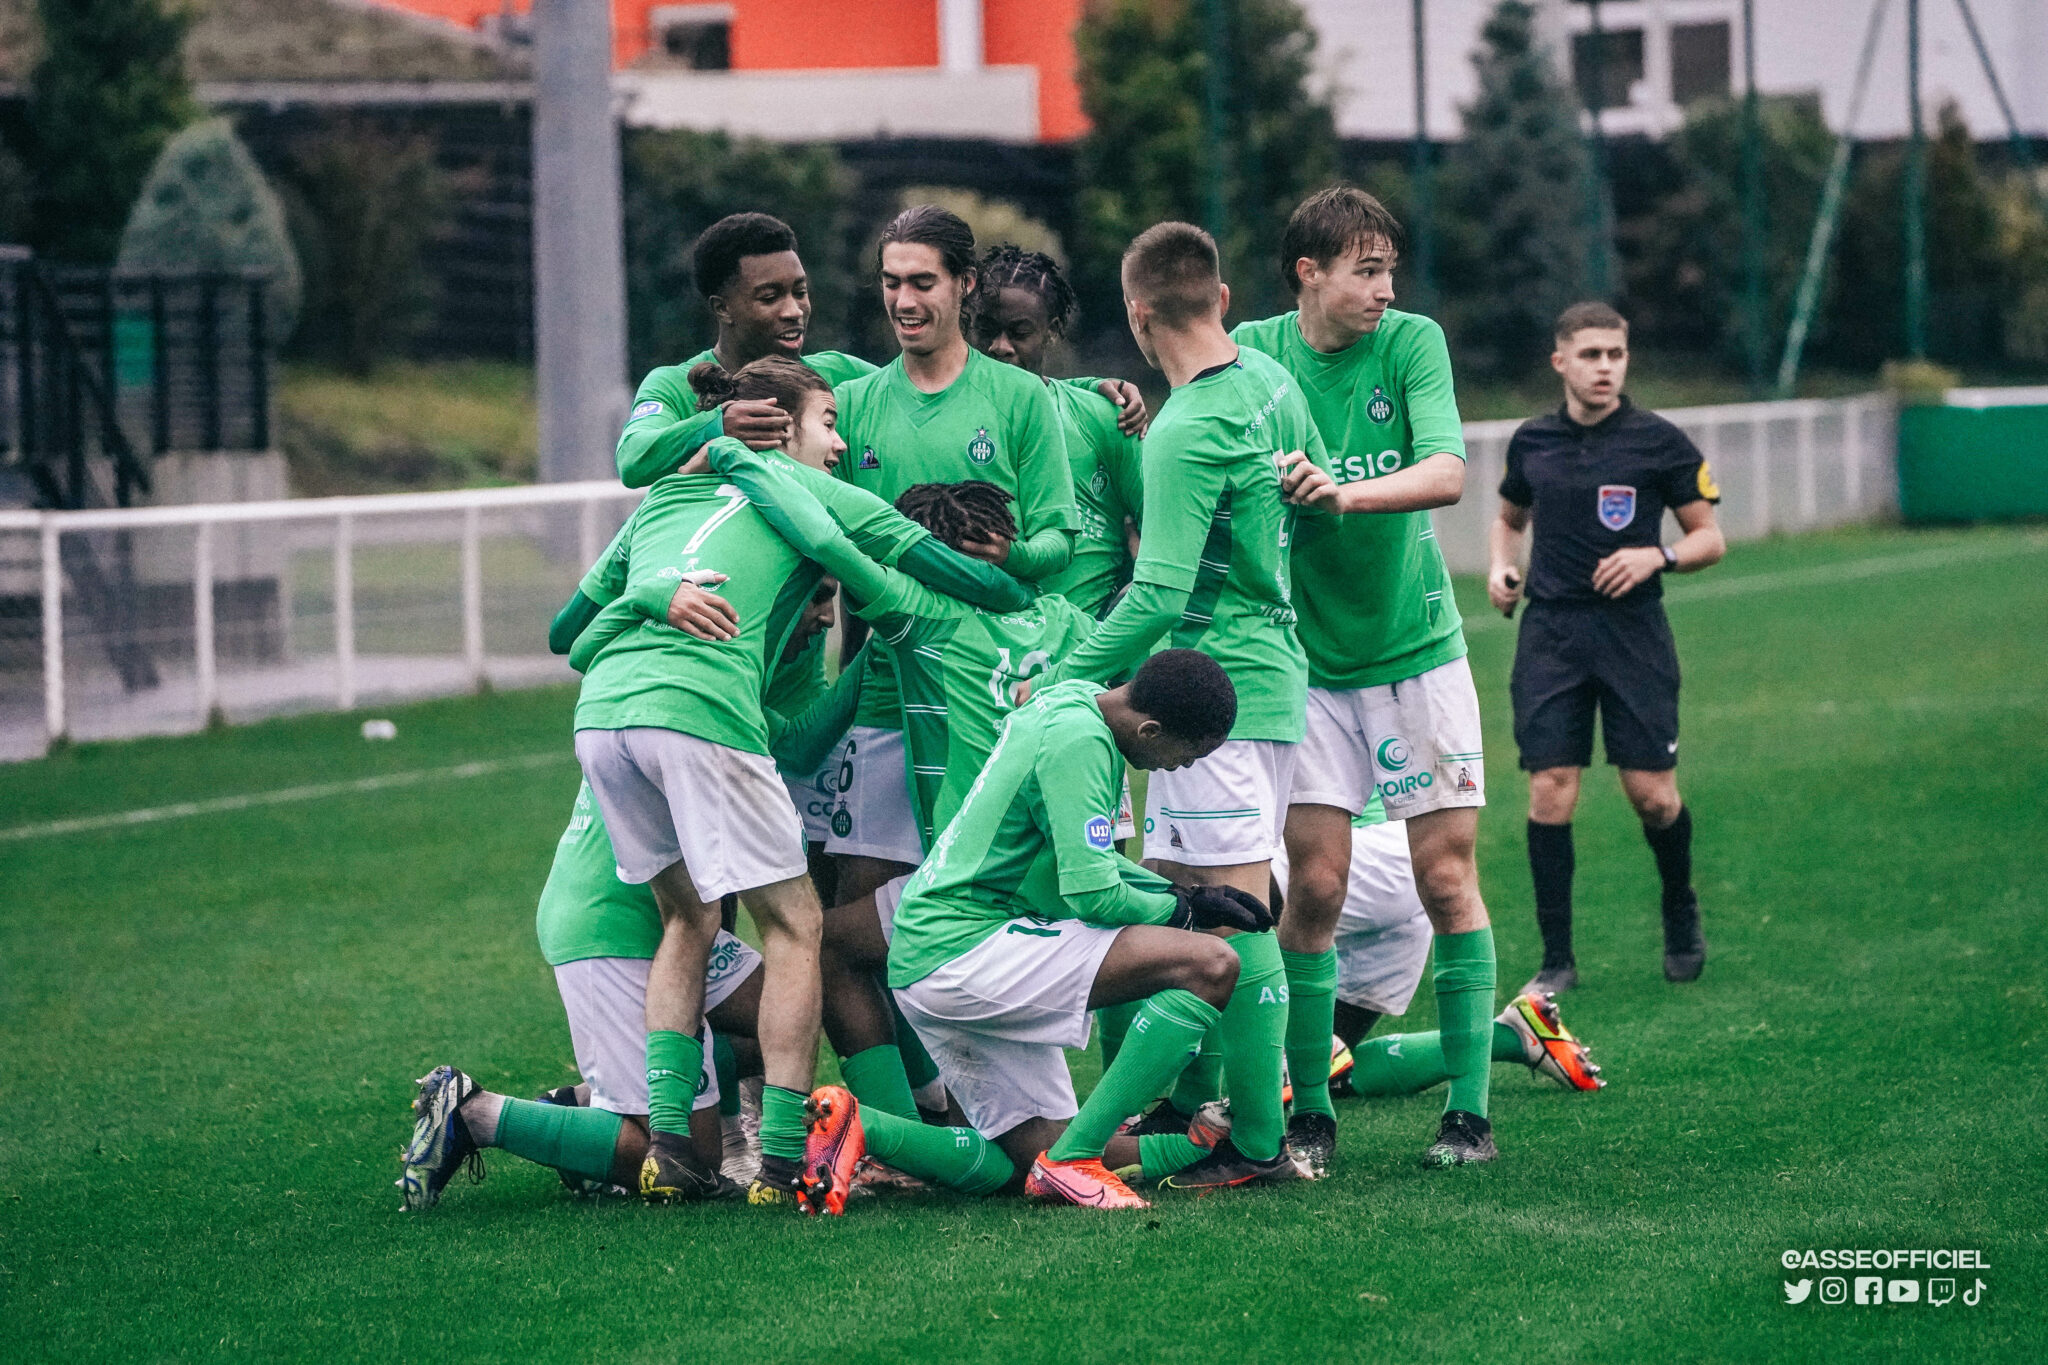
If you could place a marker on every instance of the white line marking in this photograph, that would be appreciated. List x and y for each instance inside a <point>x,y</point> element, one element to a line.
<point>1846,571</point>
<point>1864,707</point>
<point>313,792</point>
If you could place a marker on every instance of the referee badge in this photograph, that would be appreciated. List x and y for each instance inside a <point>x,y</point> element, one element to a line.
<point>981,449</point>
<point>1617,505</point>
<point>1380,407</point>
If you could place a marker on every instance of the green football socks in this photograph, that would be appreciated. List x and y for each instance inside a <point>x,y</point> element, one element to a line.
<point>782,1122</point>
<point>877,1080</point>
<point>569,1138</point>
<point>1115,1022</point>
<point>1410,1063</point>
<point>675,1067</point>
<point>1165,1153</point>
<point>1254,1038</point>
<point>1202,1081</point>
<point>1311,1018</point>
<point>1464,1012</point>
<point>1166,1032</point>
<point>958,1158</point>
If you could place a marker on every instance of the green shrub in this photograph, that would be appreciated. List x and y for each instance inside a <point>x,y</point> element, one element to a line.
<point>206,206</point>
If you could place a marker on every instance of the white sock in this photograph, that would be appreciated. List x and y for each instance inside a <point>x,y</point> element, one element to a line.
<point>480,1115</point>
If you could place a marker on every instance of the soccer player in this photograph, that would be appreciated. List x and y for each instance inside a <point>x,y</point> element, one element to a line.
<point>1026,303</point>
<point>940,412</point>
<point>1382,943</point>
<point>1024,918</point>
<point>747,268</point>
<point>1212,573</point>
<point>1597,477</point>
<point>1390,703</point>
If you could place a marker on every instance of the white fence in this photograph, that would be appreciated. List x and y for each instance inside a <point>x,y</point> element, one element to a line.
<point>1791,466</point>
<point>156,620</point>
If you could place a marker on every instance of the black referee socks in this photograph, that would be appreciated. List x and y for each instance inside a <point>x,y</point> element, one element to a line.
<point>1550,865</point>
<point>1672,846</point>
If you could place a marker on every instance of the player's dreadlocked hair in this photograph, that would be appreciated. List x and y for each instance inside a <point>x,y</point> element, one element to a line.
<point>959,512</point>
<point>1009,266</point>
<point>773,377</point>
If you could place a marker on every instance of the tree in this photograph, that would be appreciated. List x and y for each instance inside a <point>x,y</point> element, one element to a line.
<point>206,206</point>
<point>107,95</point>
<point>1148,156</point>
<point>1685,257</point>
<point>679,183</point>
<point>1517,190</point>
<point>365,202</point>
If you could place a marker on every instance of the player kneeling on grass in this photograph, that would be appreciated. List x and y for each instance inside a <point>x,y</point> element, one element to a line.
<point>1024,918</point>
<point>1382,943</point>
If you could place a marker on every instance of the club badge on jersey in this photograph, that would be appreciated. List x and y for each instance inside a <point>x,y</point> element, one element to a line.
<point>981,449</point>
<point>1380,407</point>
<point>1617,505</point>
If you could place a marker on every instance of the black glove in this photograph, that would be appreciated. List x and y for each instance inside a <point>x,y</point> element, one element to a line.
<point>1219,907</point>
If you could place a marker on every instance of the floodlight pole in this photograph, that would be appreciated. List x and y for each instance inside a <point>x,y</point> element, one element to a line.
<point>1215,202</point>
<point>1597,282</point>
<point>1754,331</point>
<point>1424,237</point>
<point>579,278</point>
<point>1916,195</point>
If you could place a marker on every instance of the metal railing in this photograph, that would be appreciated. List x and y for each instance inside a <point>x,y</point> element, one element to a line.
<point>256,609</point>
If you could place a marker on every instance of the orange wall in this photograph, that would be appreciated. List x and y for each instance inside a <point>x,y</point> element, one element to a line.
<point>1040,33</point>
<point>795,35</point>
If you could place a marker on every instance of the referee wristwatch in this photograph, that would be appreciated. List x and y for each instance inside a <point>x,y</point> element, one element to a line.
<point>1670,558</point>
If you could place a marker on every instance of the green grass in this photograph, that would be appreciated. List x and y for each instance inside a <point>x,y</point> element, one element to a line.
<point>210,1026</point>
<point>410,426</point>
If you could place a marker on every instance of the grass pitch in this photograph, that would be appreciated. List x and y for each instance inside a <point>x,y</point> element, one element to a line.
<point>209,1025</point>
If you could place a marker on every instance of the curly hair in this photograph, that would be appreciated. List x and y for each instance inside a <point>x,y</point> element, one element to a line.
<point>1187,692</point>
<point>772,377</point>
<point>1009,266</point>
<point>959,512</point>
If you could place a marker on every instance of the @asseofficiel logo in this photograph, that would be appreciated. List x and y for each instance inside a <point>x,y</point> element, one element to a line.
<point>1872,1290</point>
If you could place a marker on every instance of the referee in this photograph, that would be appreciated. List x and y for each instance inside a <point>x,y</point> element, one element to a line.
<point>1597,476</point>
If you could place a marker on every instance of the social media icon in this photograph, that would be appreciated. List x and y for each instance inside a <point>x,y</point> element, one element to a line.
<point>1940,1292</point>
<point>1796,1293</point>
<point>1869,1289</point>
<point>1974,1294</point>
<point>1903,1291</point>
<point>1834,1289</point>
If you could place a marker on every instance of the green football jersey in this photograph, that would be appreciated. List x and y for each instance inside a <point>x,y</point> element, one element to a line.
<point>1036,829</point>
<point>995,422</point>
<point>585,910</point>
<point>955,667</point>
<point>1109,485</point>
<point>639,670</point>
<point>1375,598</point>
<point>665,428</point>
<point>1217,531</point>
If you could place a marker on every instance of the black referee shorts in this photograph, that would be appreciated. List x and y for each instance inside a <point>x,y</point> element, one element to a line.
<point>1572,658</point>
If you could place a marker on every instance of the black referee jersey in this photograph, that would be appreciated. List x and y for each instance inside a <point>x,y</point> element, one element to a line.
<point>1598,489</point>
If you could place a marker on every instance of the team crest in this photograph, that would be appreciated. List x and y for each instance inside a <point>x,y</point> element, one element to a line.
<point>981,449</point>
<point>867,458</point>
<point>1099,484</point>
<point>1617,505</point>
<point>1380,407</point>
<point>842,822</point>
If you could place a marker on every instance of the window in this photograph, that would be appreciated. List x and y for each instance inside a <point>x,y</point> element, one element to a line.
<point>1699,61</point>
<point>1606,65</point>
<point>696,36</point>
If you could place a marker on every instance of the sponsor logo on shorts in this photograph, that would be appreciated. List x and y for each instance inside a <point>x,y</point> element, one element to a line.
<point>1617,505</point>
<point>1380,407</point>
<point>1099,832</point>
<point>647,409</point>
<point>981,449</point>
<point>725,955</point>
<point>1173,835</point>
<point>1400,788</point>
<point>842,822</point>
<point>868,459</point>
<point>1392,755</point>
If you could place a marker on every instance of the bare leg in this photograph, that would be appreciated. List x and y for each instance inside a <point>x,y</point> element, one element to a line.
<point>790,922</point>
<point>856,1016</point>
<point>1440,845</point>
<point>675,982</point>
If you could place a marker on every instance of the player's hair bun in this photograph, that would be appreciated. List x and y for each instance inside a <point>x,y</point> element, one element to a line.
<point>712,385</point>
